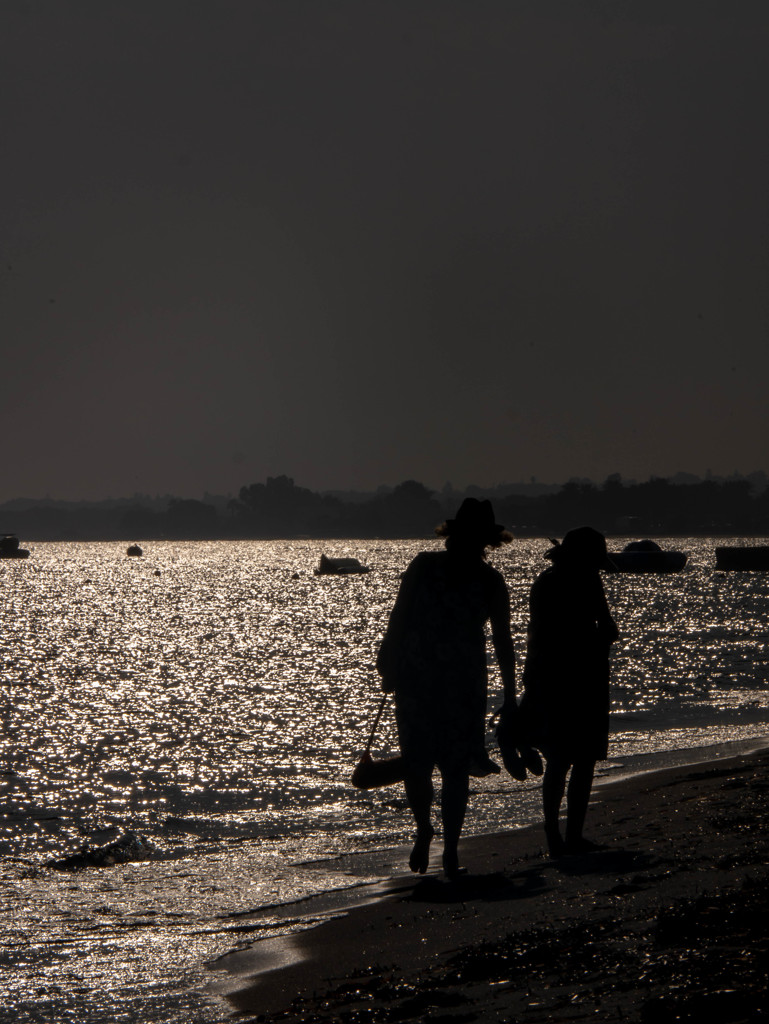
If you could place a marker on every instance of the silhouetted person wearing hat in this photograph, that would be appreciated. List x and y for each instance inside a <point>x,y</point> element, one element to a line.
<point>566,680</point>
<point>433,657</point>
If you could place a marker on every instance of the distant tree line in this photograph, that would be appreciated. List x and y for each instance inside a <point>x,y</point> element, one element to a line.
<point>278,508</point>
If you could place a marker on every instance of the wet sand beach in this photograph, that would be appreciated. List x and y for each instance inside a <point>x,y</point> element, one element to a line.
<point>667,923</point>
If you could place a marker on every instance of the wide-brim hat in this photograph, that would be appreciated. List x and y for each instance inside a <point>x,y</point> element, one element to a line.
<point>475,519</point>
<point>582,546</point>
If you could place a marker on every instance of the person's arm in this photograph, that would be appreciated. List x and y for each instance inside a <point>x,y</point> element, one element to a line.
<point>389,651</point>
<point>503,644</point>
<point>607,627</point>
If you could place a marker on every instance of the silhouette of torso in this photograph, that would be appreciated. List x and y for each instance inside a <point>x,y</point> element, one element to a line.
<point>566,674</point>
<point>434,651</point>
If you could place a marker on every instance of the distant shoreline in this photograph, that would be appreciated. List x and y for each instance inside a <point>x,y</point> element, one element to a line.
<point>280,510</point>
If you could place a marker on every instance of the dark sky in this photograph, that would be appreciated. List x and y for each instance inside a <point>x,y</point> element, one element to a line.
<point>357,242</point>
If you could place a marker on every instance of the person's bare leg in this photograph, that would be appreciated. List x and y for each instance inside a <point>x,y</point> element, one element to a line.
<point>419,793</point>
<point>454,794</point>
<point>577,800</point>
<point>553,788</point>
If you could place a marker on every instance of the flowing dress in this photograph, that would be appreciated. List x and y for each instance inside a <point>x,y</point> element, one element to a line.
<point>434,657</point>
<point>565,705</point>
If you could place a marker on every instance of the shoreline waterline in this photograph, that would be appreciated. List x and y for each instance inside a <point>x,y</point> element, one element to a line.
<point>271,952</point>
<point>664,848</point>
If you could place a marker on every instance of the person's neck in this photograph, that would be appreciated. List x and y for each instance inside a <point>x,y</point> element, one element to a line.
<point>466,556</point>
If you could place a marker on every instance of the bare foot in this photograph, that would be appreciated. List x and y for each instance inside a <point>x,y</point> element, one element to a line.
<point>451,868</point>
<point>556,847</point>
<point>420,855</point>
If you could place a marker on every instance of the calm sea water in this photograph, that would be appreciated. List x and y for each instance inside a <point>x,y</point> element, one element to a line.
<point>212,699</point>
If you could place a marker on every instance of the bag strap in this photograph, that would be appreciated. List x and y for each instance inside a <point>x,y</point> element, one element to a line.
<point>376,722</point>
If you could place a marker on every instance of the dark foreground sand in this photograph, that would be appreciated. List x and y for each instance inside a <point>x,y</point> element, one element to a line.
<point>669,923</point>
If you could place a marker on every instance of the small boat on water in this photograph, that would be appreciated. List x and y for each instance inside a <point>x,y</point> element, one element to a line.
<point>339,566</point>
<point>646,556</point>
<point>744,559</point>
<point>9,547</point>
<point>134,550</point>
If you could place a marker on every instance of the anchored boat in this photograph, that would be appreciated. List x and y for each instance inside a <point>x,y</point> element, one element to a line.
<point>646,556</point>
<point>339,566</point>
<point>9,547</point>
